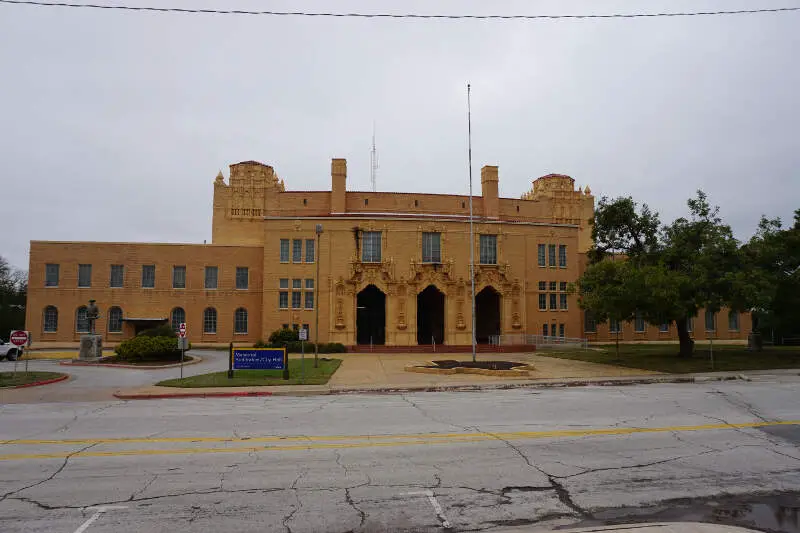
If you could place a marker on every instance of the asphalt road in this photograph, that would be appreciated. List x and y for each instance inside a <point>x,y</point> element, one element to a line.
<point>100,383</point>
<point>417,462</point>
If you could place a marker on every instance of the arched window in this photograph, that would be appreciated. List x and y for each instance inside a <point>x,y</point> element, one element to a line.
<point>115,320</point>
<point>711,321</point>
<point>177,317</point>
<point>210,320</point>
<point>733,321</point>
<point>240,320</point>
<point>81,320</point>
<point>50,322</point>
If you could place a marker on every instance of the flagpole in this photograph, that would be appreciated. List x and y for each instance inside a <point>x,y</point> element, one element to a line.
<point>471,229</point>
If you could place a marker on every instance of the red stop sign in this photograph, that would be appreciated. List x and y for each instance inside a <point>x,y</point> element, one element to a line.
<point>19,338</point>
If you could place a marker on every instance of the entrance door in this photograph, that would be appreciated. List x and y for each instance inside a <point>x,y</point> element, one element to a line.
<point>430,316</point>
<point>371,316</point>
<point>487,315</point>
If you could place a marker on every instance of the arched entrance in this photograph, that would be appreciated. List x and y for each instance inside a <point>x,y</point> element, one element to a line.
<point>371,316</point>
<point>487,314</point>
<point>430,316</point>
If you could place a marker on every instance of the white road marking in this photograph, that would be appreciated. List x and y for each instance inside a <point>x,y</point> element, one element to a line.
<point>434,502</point>
<point>100,510</point>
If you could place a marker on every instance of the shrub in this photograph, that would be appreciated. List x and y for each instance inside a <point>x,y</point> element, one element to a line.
<point>164,330</point>
<point>281,337</point>
<point>148,348</point>
<point>334,347</point>
<point>260,344</point>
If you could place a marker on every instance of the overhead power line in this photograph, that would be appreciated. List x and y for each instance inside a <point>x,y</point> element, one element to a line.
<point>185,10</point>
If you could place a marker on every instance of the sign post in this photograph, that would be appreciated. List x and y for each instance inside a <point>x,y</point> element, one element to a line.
<point>230,361</point>
<point>182,340</point>
<point>19,339</point>
<point>303,339</point>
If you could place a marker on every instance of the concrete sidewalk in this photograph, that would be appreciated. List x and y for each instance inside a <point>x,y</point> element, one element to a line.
<point>382,373</point>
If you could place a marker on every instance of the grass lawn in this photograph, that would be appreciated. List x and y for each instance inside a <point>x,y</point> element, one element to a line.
<point>249,378</point>
<point>10,379</point>
<point>664,357</point>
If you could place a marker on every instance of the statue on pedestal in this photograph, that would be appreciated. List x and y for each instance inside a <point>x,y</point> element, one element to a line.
<point>91,344</point>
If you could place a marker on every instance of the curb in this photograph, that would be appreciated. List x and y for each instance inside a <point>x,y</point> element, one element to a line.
<point>45,382</point>
<point>429,388</point>
<point>195,359</point>
<point>167,395</point>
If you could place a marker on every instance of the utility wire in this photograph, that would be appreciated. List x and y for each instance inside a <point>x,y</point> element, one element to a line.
<point>184,10</point>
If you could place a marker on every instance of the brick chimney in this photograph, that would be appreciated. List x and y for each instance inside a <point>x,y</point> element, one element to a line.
<point>338,185</point>
<point>491,201</point>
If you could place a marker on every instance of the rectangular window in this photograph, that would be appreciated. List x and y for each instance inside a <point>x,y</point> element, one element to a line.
<point>84,276</point>
<point>542,285</point>
<point>284,283</point>
<point>542,302</point>
<point>283,300</point>
<point>541,255</point>
<point>733,321</point>
<point>297,250</point>
<point>296,300</point>
<point>309,284</point>
<point>297,284</point>
<point>117,276</point>
<point>553,285</point>
<point>212,273</point>
<point>589,323</point>
<point>242,278</point>
<point>309,300</point>
<point>553,300</point>
<point>431,247</point>
<point>639,324</point>
<point>562,286</point>
<point>613,326</point>
<point>148,276</point>
<point>51,275</point>
<point>284,250</point>
<point>488,249</point>
<point>562,255</point>
<point>663,327</point>
<point>544,330</point>
<point>551,255</point>
<point>371,247</point>
<point>310,250</point>
<point>561,330</point>
<point>690,324</point>
<point>562,300</point>
<point>179,277</point>
<point>711,321</point>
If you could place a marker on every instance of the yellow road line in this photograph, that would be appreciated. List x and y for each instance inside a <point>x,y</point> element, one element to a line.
<point>368,441</point>
<point>316,438</point>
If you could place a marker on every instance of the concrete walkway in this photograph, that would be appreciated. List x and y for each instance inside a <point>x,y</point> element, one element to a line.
<point>386,372</point>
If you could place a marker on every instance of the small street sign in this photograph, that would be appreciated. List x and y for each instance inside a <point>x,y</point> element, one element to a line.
<point>182,329</point>
<point>19,338</point>
<point>303,334</point>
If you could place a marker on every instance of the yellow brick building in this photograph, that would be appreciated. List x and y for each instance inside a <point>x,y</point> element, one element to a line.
<point>393,268</point>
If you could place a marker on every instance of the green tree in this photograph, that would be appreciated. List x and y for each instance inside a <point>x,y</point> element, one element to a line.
<point>668,272</point>
<point>773,255</point>
<point>13,294</point>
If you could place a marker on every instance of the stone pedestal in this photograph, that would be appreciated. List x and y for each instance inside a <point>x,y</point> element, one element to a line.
<point>91,348</point>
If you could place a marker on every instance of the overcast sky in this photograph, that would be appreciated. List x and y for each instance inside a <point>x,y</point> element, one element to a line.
<point>114,123</point>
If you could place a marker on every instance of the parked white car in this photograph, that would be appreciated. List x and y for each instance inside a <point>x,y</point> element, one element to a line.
<point>8,350</point>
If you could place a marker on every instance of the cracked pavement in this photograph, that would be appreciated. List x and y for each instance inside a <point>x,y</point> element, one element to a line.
<point>492,459</point>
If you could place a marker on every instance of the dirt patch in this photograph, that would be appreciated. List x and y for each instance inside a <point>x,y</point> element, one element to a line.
<point>507,369</point>
<point>486,365</point>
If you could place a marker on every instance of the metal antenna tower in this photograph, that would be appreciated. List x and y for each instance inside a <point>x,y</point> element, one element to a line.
<point>373,162</point>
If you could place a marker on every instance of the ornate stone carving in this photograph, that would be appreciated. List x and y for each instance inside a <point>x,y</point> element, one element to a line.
<point>339,305</point>
<point>361,273</point>
<point>431,273</point>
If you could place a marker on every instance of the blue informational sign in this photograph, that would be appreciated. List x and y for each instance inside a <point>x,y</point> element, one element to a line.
<point>259,359</point>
